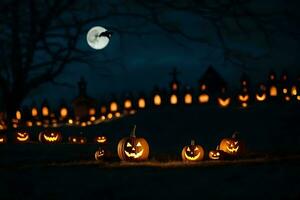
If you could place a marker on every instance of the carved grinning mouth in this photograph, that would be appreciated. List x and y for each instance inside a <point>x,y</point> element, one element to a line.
<point>22,138</point>
<point>214,157</point>
<point>261,98</point>
<point>101,140</point>
<point>51,138</point>
<point>232,149</point>
<point>192,158</point>
<point>134,155</point>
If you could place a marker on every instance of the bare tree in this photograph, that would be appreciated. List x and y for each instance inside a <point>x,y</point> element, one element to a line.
<point>40,38</point>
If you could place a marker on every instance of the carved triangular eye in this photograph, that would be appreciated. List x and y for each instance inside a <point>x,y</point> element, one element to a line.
<point>188,149</point>
<point>139,144</point>
<point>128,144</point>
<point>236,142</point>
<point>196,149</point>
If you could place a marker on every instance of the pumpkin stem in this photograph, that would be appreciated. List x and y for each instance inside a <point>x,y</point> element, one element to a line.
<point>235,134</point>
<point>218,147</point>
<point>133,131</point>
<point>192,142</point>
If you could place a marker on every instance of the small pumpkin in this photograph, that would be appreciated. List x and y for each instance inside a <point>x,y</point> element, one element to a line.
<point>22,136</point>
<point>49,136</point>
<point>232,146</point>
<point>99,154</point>
<point>192,152</point>
<point>133,148</point>
<point>101,139</point>
<point>216,154</point>
<point>3,139</point>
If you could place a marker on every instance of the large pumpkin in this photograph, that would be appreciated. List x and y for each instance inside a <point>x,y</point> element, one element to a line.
<point>232,146</point>
<point>22,136</point>
<point>49,136</point>
<point>133,148</point>
<point>192,152</point>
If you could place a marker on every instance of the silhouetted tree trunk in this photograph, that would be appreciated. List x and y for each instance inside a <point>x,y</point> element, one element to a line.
<point>39,38</point>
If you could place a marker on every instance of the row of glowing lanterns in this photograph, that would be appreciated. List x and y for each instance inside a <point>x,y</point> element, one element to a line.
<point>203,98</point>
<point>287,93</point>
<point>135,148</point>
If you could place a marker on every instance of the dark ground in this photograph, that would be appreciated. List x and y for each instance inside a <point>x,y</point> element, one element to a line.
<point>63,171</point>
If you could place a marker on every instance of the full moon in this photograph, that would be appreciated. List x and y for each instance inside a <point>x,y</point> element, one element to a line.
<point>95,40</point>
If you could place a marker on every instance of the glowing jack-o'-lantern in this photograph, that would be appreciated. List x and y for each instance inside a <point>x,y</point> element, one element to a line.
<point>224,102</point>
<point>216,154</point>
<point>192,152</point>
<point>22,136</point>
<point>260,97</point>
<point>261,93</point>
<point>77,140</point>
<point>99,154</point>
<point>133,148</point>
<point>48,136</point>
<point>243,97</point>
<point>232,146</point>
<point>3,139</point>
<point>101,139</point>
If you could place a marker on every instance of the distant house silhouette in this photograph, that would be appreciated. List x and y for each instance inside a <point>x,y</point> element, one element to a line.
<point>213,80</point>
<point>82,104</point>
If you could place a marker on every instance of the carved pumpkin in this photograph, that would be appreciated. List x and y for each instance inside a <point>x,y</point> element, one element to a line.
<point>77,140</point>
<point>192,152</point>
<point>49,136</point>
<point>260,97</point>
<point>22,136</point>
<point>261,93</point>
<point>133,148</point>
<point>243,97</point>
<point>101,139</point>
<point>232,146</point>
<point>99,154</point>
<point>216,154</point>
<point>3,139</point>
<point>224,102</point>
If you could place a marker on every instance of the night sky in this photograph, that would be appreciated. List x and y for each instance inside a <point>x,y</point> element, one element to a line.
<point>141,55</point>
